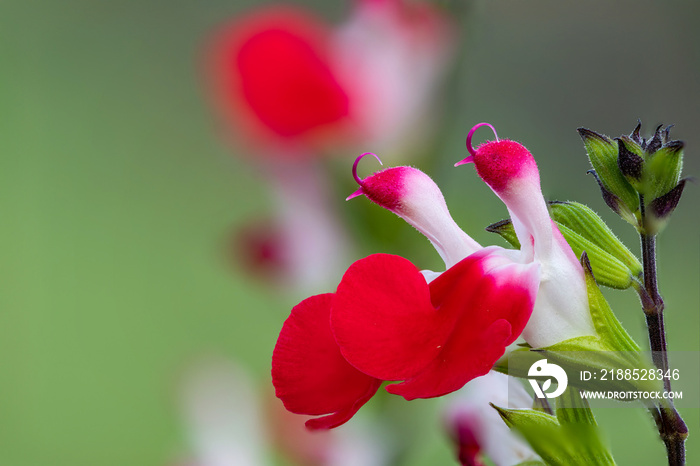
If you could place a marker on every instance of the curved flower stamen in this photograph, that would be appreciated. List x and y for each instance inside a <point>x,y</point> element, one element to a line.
<point>357,161</point>
<point>356,177</point>
<point>470,148</point>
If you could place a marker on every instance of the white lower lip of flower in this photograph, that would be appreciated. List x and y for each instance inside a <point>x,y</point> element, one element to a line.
<point>561,308</point>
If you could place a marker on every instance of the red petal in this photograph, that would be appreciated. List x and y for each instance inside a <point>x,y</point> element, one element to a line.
<point>390,324</point>
<point>383,320</point>
<point>309,373</point>
<point>494,298</point>
<point>460,361</point>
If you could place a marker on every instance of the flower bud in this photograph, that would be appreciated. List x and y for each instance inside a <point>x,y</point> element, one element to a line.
<point>603,155</point>
<point>414,196</point>
<point>616,204</point>
<point>647,169</point>
<point>663,169</point>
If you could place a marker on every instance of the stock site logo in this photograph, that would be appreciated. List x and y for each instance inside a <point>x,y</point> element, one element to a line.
<point>543,369</point>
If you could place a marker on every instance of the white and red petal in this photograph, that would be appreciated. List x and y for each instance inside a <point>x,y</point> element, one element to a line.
<point>391,324</point>
<point>511,172</point>
<point>561,310</point>
<point>309,373</point>
<point>493,297</point>
<point>414,196</point>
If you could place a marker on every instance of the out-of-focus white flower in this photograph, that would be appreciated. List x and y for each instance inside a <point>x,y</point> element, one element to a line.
<point>223,416</point>
<point>312,243</point>
<point>390,56</point>
<point>230,423</point>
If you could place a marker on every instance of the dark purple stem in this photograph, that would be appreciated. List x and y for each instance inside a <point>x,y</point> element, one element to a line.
<point>672,429</point>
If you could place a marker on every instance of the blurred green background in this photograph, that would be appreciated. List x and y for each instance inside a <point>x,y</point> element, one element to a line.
<point>118,199</point>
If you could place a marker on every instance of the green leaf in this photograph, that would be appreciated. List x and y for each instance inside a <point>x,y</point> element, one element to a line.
<point>573,409</point>
<point>559,443</point>
<point>505,229</point>
<point>608,269</point>
<point>542,432</point>
<point>589,225</point>
<point>576,418</point>
<point>607,326</point>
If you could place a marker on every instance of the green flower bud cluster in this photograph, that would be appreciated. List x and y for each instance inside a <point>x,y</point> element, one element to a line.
<point>640,179</point>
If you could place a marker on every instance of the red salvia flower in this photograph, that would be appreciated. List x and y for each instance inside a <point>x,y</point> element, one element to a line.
<point>388,321</point>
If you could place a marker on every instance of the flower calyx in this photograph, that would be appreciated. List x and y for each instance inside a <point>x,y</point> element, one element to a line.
<point>640,179</point>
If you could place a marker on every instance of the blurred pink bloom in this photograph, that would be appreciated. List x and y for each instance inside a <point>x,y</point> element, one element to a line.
<point>478,429</point>
<point>272,80</point>
<point>390,56</point>
<point>304,245</point>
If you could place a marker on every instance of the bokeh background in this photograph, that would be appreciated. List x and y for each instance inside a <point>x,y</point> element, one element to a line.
<point>119,199</point>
